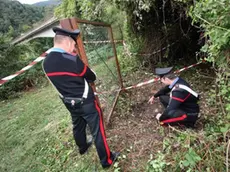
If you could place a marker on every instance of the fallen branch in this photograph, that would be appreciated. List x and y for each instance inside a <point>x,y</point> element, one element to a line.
<point>174,129</point>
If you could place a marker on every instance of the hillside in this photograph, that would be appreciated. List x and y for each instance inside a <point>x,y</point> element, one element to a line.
<point>17,18</point>
<point>47,3</point>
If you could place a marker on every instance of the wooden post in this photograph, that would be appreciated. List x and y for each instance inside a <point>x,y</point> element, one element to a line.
<point>71,24</point>
<point>115,54</point>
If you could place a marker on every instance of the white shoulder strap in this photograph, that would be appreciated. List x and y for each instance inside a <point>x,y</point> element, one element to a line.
<point>187,89</point>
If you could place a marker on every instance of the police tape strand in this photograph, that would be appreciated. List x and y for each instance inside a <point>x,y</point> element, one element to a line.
<point>8,78</point>
<point>42,57</point>
<point>151,80</point>
<point>101,42</point>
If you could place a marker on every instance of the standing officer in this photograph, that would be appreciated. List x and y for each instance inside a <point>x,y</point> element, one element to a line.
<point>71,76</point>
<point>179,100</point>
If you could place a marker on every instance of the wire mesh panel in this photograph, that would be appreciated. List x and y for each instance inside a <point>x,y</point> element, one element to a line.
<point>102,59</point>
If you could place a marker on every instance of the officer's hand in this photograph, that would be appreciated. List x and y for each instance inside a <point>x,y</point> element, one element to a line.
<point>158,116</point>
<point>151,100</point>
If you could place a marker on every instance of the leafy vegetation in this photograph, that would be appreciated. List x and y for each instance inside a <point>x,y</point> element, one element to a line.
<point>213,16</point>
<point>13,59</point>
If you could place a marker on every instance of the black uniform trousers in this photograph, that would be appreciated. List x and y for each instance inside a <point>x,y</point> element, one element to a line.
<point>178,116</point>
<point>90,114</point>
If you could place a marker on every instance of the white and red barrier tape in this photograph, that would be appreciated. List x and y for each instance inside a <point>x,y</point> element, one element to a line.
<point>151,80</point>
<point>101,42</point>
<point>157,78</point>
<point>40,58</point>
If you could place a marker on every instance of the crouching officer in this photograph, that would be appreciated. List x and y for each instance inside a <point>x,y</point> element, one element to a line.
<point>71,77</point>
<point>179,100</point>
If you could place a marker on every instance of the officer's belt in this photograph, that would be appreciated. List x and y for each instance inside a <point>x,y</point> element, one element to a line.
<point>74,100</point>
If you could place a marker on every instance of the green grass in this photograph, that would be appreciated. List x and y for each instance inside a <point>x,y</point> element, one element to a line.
<point>36,135</point>
<point>107,75</point>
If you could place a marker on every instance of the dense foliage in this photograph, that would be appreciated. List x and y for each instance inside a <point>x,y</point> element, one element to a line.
<point>147,25</point>
<point>213,17</point>
<point>14,58</point>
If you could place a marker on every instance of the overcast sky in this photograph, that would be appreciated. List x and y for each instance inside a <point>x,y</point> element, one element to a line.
<point>29,1</point>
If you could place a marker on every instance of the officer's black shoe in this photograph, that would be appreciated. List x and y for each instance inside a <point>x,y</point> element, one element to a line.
<point>84,150</point>
<point>115,155</point>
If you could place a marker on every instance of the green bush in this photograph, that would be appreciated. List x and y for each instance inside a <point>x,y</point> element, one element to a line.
<point>14,59</point>
<point>213,17</point>
<point>25,81</point>
<point>128,64</point>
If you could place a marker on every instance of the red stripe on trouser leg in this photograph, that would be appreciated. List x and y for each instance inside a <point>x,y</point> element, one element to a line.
<point>103,134</point>
<point>181,118</point>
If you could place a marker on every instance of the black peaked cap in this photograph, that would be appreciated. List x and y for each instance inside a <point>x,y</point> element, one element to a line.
<point>64,32</point>
<point>163,71</point>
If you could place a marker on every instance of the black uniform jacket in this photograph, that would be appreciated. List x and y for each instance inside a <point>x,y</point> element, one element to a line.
<point>67,73</point>
<point>180,99</point>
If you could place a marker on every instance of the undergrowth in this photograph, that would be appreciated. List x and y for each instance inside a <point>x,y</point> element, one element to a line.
<point>201,149</point>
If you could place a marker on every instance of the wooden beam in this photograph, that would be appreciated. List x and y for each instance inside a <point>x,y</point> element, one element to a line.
<point>115,54</point>
<point>92,22</point>
<point>113,107</point>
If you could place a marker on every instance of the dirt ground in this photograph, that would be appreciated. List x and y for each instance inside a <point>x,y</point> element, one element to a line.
<point>134,130</point>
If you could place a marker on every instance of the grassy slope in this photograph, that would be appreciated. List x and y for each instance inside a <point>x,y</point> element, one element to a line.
<point>36,135</point>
